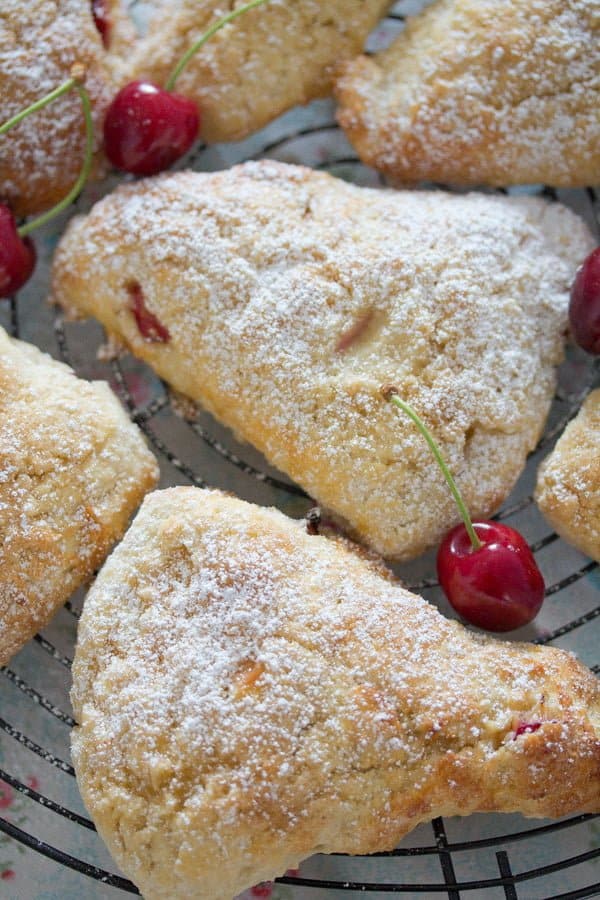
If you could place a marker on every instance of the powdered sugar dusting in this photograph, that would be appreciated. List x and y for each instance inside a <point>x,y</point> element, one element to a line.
<point>248,694</point>
<point>242,78</point>
<point>258,273</point>
<point>483,92</point>
<point>72,470</point>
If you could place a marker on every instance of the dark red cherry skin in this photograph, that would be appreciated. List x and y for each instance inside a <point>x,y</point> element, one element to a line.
<point>146,129</point>
<point>17,255</point>
<point>497,587</point>
<point>584,306</point>
<point>102,21</point>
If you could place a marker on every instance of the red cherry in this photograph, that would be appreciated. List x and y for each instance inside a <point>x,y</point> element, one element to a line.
<point>487,571</point>
<point>102,21</point>
<point>264,889</point>
<point>584,308</point>
<point>17,255</point>
<point>149,325</point>
<point>498,586</point>
<point>146,128</point>
<point>526,728</point>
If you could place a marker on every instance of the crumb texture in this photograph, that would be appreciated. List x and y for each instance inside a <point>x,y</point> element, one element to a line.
<point>568,486</point>
<point>482,92</point>
<point>290,297</point>
<point>72,470</point>
<point>270,59</point>
<point>248,694</point>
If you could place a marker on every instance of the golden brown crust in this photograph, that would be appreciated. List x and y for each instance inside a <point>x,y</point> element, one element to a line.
<point>568,485</point>
<point>72,471</point>
<point>39,42</point>
<point>261,274</point>
<point>481,92</point>
<point>248,694</point>
<point>267,61</point>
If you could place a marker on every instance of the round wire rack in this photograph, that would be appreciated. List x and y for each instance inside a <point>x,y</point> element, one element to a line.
<point>42,819</point>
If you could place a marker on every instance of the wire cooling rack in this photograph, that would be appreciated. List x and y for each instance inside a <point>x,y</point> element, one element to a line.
<point>42,820</point>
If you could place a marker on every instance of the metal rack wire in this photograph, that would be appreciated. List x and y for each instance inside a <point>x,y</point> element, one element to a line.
<point>502,875</point>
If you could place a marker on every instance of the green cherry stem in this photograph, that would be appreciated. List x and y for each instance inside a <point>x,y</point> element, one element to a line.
<point>39,104</point>
<point>205,37</point>
<point>75,82</point>
<point>390,393</point>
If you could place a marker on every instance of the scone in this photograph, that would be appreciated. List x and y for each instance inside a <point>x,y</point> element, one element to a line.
<point>248,694</point>
<point>39,42</point>
<point>267,61</point>
<point>568,485</point>
<point>482,92</point>
<point>72,471</point>
<point>282,299</point>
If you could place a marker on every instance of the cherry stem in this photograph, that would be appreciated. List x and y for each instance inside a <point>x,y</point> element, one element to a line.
<point>75,82</point>
<point>205,37</point>
<point>391,395</point>
<point>39,104</point>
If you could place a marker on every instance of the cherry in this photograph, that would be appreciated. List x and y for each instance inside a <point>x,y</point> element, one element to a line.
<point>102,21</point>
<point>486,569</point>
<point>497,586</point>
<point>584,306</point>
<point>526,728</point>
<point>17,255</point>
<point>146,129</point>
<point>264,889</point>
<point>149,325</point>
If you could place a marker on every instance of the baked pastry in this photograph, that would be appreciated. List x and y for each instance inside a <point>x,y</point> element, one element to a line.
<point>73,469</point>
<point>269,60</point>
<point>39,42</point>
<point>481,92</point>
<point>281,299</point>
<point>248,694</point>
<point>568,484</point>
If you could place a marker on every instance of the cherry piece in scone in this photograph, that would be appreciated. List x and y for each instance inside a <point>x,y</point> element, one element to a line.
<point>526,728</point>
<point>102,21</point>
<point>17,255</point>
<point>146,129</point>
<point>584,306</point>
<point>497,586</point>
<point>149,325</point>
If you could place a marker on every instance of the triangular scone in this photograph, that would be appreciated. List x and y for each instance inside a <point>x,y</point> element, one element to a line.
<point>282,299</point>
<point>248,694</point>
<point>39,42</point>
<point>267,61</point>
<point>73,469</point>
<point>568,485</point>
<point>482,92</point>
